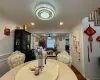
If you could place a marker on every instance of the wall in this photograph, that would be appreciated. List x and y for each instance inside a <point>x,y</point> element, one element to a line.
<point>4,67</point>
<point>76,48</point>
<point>32,41</point>
<point>92,69</point>
<point>6,42</point>
<point>60,41</point>
<point>35,42</point>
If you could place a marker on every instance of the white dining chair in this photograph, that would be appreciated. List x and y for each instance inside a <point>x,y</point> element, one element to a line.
<point>16,59</point>
<point>65,58</point>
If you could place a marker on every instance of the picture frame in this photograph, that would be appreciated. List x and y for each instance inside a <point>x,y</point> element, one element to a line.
<point>60,39</point>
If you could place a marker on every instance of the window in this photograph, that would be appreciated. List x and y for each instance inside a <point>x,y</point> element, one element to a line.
<point>50,43</point>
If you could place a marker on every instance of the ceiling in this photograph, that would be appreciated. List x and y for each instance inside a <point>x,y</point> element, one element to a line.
<point>71,12</point>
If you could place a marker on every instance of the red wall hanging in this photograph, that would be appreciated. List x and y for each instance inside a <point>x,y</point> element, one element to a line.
<point>7,31</point>
<point>90,31</point>
<point>98,40</point>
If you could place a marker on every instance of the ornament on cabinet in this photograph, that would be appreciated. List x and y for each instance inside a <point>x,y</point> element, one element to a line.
<point>98,40</point>
<point>6,31</point>
<point>25,27</point>
<point>90,31</point>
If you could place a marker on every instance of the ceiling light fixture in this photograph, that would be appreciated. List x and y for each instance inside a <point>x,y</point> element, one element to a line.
<point>49,37</point>
<point>45,12</point>
<point>61,23</point>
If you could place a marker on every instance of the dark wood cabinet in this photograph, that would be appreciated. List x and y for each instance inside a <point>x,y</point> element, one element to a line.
<point>22,41</point>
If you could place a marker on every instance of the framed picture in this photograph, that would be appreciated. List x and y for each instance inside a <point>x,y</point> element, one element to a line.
<point>60,39</point>
<point>36,39</point>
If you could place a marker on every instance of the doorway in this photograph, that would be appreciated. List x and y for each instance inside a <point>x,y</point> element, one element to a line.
<point>67,45</point>
<point>42,43</point>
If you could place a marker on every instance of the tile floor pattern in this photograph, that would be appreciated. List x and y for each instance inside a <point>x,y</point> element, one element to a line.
<point>79,76</point>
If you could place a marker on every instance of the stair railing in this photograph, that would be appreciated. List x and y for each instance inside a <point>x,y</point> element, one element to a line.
<point>95,16</point>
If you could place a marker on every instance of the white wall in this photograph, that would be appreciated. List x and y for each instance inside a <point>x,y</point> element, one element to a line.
<point>6,42</point>
<point>60,41</point>
<point>77,54</point>
<point>36,43</point>
<point>4,67</point>
<point>92,69</point>
<point>32,41</point>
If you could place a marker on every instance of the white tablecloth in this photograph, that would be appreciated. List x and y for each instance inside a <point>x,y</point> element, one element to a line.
<point>49,72</point>
<point>65,73</point>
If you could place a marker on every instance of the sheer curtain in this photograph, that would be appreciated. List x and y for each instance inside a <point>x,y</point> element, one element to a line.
<point>50,43</point>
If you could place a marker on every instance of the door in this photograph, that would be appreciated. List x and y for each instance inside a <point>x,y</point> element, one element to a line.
<point>67,45</point>
<point>42,43</point>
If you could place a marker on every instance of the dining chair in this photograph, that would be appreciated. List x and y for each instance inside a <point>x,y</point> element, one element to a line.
<point>16,59</point>
<point>65,58</point>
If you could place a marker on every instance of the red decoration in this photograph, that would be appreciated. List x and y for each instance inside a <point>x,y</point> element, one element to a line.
<point>98,40</point>
<point>90,31</point>
<point>90,38</point>
<point>7,31</point>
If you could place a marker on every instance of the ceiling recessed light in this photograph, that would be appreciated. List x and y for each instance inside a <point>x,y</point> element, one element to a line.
<point>61,23</point>
<point>32,24</point>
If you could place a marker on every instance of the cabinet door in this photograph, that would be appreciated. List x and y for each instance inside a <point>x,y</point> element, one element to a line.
<point>17,41</point>
<point>24,42</point>
<point>28,41</point>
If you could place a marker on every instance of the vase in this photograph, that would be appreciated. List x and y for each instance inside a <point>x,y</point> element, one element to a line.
<point>40,62</point>
<point>40,59</point>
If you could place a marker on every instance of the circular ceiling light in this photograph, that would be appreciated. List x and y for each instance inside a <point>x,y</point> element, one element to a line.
<point>45,12</point>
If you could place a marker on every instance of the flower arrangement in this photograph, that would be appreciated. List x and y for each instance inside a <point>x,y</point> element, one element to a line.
<point>40,52</point>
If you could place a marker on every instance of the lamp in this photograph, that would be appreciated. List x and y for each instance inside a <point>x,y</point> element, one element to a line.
<point>49,37</point>
<point>45,12</point>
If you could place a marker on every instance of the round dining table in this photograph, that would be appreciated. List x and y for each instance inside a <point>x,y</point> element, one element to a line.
<point>61,72</point>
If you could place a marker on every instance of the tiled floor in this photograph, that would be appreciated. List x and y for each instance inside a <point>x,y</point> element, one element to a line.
<point>79,76</point>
